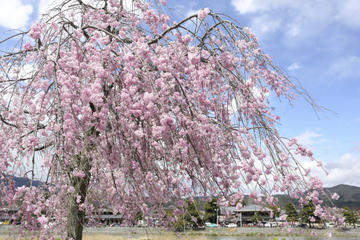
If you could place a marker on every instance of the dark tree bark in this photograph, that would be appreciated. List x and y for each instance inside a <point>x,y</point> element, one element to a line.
<point>76,216</point>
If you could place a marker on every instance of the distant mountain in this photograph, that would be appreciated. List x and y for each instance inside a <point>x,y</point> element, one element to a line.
<point>22,181</point>
<point>349,197</point>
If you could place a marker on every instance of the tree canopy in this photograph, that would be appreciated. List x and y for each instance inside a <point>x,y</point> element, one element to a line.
<point>351,216</point>
<point>212,210</point>
<point>291,213</point>
<point>118,106</point>
<point>308,214</point>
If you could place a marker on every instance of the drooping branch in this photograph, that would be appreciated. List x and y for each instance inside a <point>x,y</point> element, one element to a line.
<point>123,114</point>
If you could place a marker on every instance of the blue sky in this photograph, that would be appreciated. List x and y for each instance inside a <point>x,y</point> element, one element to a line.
<point>315,41</point>
<point>317,44</point>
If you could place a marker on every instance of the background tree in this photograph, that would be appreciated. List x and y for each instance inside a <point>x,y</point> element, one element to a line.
<point>192,215</point>
<point>180,224</point>
<point>291,213</point>
<point>351,216</point>
<point>257,218</point>
<point>275,210</point>
<point>189,217</point>
<point>137,218</point>
<point>211,209</point>
<point>116,106</point>
<point>307,214</point>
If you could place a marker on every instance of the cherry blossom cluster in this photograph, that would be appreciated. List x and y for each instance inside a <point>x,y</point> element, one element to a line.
<point>131,111</point>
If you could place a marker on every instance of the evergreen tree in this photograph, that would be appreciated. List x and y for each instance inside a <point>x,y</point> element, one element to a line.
<point>257,218</point>
<point>192,216</point>
<point>351,216</point>
<point>275,210</point>
<point>307,214</point>
<point>291,213</point>
<point>210,211</point>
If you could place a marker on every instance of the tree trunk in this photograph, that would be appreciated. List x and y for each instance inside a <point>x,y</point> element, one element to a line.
<point>76,219</point>
<point>76,216</point>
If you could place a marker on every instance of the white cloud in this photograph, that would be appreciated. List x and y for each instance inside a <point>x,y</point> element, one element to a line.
<point>191,12</point>
<point>346,67</point>
<point>310,138</point>
<point>46,5</point>
<point>265,24</point>
<point>24,71</point>
<point>356,148</point>
<point>14,14</point>
<point>299,19</point>
<point>245,6</point>
<point>344,170</point>
<point>348,13</point>
<point>43,6</point>
<point>254,6</point>
<point>294,66</point>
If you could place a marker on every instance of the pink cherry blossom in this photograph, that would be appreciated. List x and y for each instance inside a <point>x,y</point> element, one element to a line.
<point>28,46</point>
<point>335,196</point>
<point>124,110</point>
<point>35,31</point>
<point>43,220</point>
<point>202,14</point>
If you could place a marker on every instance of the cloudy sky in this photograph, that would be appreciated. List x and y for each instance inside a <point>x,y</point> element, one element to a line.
<point>315,41</point>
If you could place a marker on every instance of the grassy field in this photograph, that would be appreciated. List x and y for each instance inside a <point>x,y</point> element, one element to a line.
<point>150,237</point>
<point>114,237</point>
